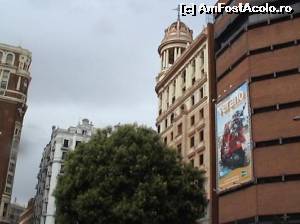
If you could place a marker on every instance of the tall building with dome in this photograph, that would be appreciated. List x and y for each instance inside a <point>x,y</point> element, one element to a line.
<point>185,110</point>
<point>14,82</point>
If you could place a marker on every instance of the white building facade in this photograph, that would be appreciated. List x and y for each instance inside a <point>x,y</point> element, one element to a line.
<point>52,165</point>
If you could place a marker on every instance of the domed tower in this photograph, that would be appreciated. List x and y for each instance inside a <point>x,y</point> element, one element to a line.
<point>177,37</point>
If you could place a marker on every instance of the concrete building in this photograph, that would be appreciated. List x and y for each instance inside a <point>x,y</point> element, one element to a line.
<point>26,217</point>
<point>15,211</point>
<point>14,83</point>
<point>263,51</point>
<point>52,165</point>
<point>183,89</point>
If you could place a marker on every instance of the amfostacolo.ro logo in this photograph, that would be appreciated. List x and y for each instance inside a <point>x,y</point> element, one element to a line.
<point>220,8</point>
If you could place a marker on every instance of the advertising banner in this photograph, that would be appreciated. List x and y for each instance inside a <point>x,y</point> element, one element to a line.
<point>233,136</point>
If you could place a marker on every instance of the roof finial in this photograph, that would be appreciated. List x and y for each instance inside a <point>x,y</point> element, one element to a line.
<point>178,10</point>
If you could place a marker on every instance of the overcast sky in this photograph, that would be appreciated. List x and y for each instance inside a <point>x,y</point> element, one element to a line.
<point>94,59</point>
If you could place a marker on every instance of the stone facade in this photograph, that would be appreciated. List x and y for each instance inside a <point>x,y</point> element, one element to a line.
<point>183,90</point>
<point>51,166</point>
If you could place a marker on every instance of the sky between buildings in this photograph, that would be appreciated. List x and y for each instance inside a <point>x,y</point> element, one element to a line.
<point>94,59</point>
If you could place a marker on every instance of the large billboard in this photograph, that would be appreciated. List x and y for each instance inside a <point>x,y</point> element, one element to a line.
<point>233,136</point>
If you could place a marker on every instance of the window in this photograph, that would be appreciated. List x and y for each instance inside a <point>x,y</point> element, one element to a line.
<point>179,129</point>
<point>172,136</point>
<point>4,79</point>
<point>202,72</point>
<point>168,96</point>
<point>66,143</point>
<point>172,118</point>
<point>9,179</point>
<point>192,142</point>
<point>202,57</point>
<point>158,129</point>
<point>179,149</point>
<point>201,113</point>
<point>182,108</point>
<point>193,80</point>
<point>62,169</point>
<point>183,76</point>
<point>201,136</point>
<point>193,67</point>
<point>25,85</point>
<point>183,89</point>
<point>16,131</point>
<point>21,65</point>
<point>193,100</point>
<point>174,87</point>
<point>201,160</point>
<point>64,154</point>
<point>9,59</point>
<point>11,167</point>
<point>84,132</point>
<point>192,120</point>
<point>160,104</point>
<point>173,99</point>
<point>166,140</point>
<point>192,162</point>
<point>201,93</point>
<point>171,56</point>
<point>77,143</point>
<point>8,190</point>
<point>1,56</point>
<point>5,210</point>
<point>166,123</point>
<point>13,156</point>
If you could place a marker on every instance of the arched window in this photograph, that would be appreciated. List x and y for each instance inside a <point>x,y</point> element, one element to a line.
<point>10,59</point>
<point>4,81</point>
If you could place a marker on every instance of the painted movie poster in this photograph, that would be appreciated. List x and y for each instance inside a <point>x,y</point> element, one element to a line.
<point>234,149</point>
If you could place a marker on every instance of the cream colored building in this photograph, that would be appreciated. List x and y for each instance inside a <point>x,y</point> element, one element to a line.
<point>183,91</point>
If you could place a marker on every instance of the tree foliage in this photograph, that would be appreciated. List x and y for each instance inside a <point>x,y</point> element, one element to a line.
<point>128,176</point>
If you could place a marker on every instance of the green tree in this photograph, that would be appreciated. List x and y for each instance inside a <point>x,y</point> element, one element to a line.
<point>128,176</point>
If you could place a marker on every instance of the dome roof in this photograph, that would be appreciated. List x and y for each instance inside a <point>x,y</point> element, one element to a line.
<point>177,32</point>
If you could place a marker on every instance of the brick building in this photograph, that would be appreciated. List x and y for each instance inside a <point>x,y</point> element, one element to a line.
<point>14,82</point>
<point>263,50</point>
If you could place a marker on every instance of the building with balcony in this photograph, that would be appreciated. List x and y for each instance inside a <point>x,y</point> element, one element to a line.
<point>183,89</point>
<point>14,82</point>
<point>263,51</point>
<point>52,165</point>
